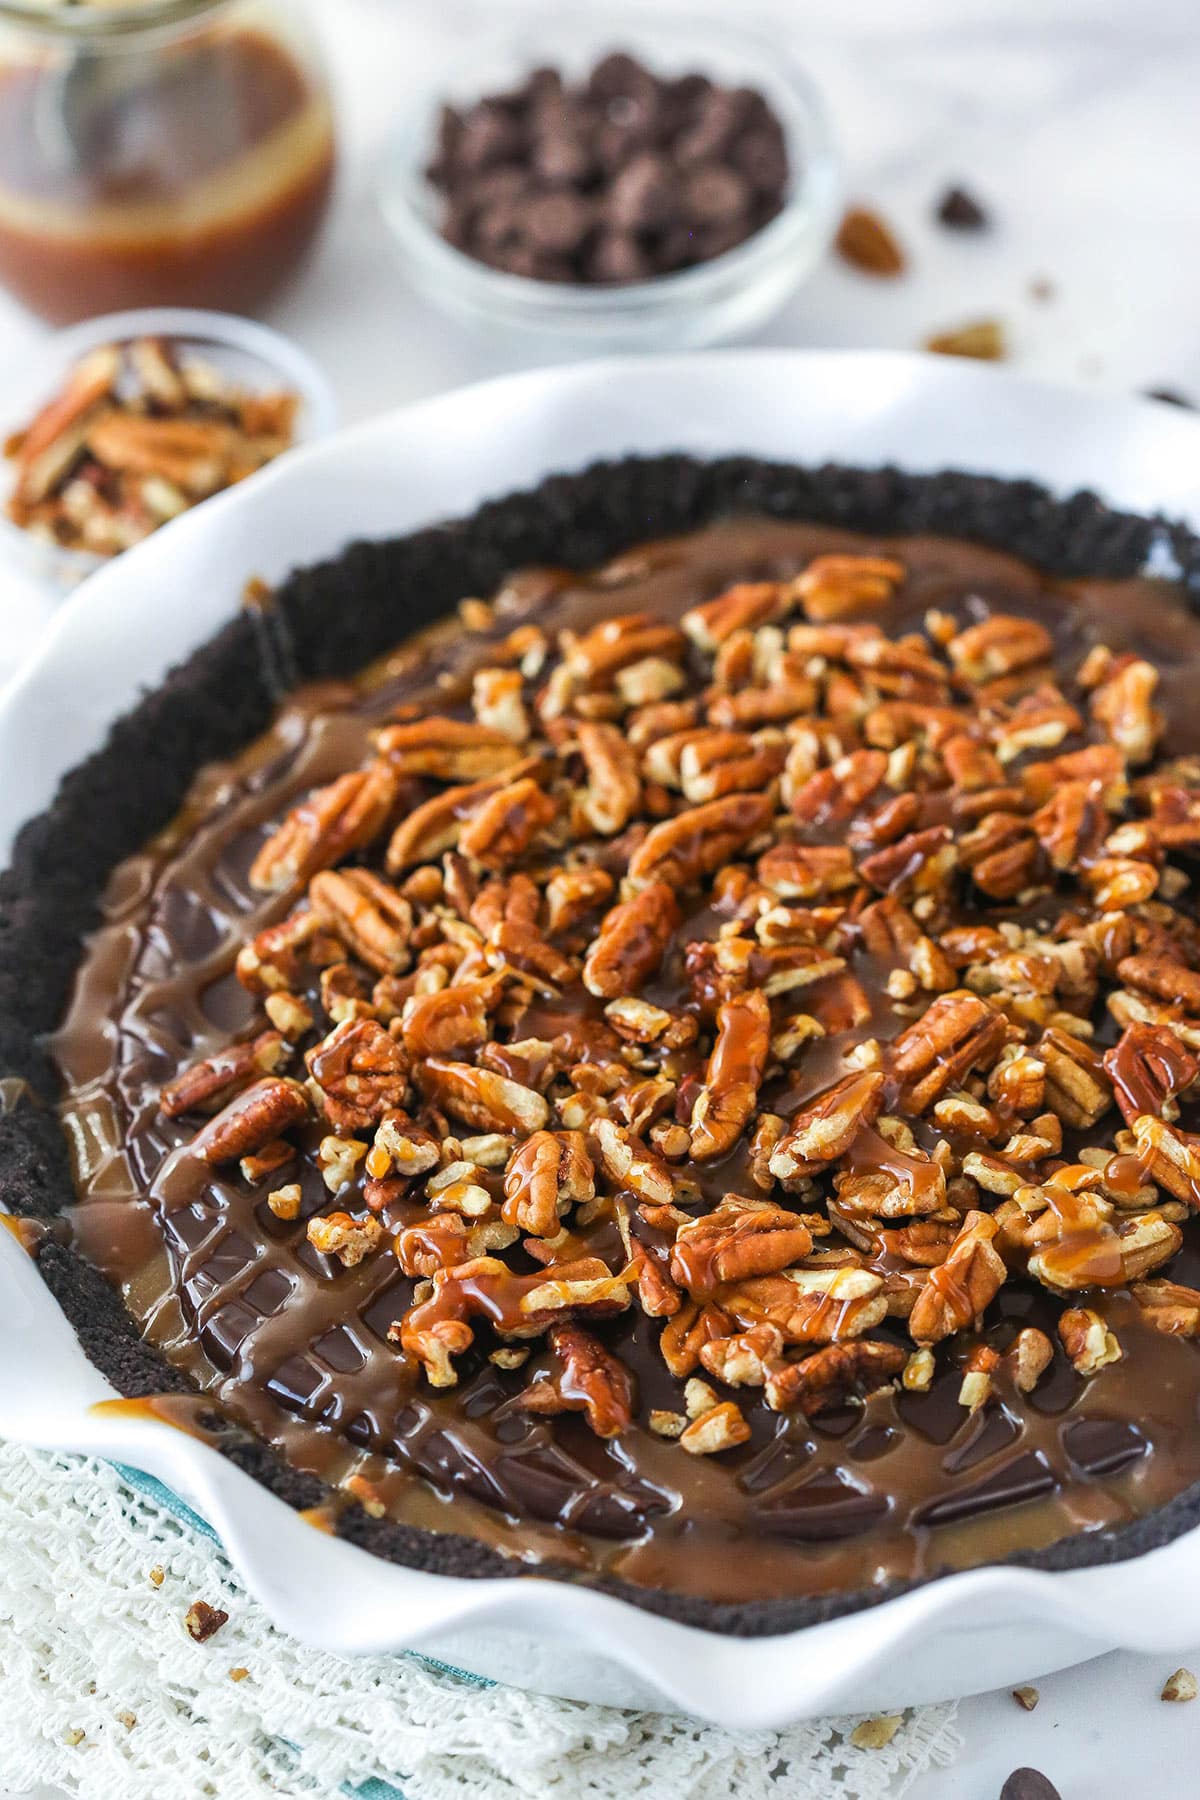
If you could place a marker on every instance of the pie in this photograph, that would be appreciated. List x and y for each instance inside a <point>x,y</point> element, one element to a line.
<point>688,1059</point>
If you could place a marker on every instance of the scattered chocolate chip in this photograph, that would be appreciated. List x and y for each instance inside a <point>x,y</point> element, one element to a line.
<point>961,211</point>
<point>617,178</point>
<point>983,340</point>
<point>1171,397</point>
<point>867,243</point>
<point>204,1621</point>
<point>1029,1784</point>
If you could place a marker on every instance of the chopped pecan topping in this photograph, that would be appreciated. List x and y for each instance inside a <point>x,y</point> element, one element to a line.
<point>735,1069</point>
<point>829,1376</point>
<point>350,1240</point>
<point>826,1128</point>
<point>960,1288</point>
<point>207,1085</point>
<point>254,1118</point>
<point>590,1380</point>
<point>332,822</point>
<point>481,1098</point>
<point>546,1175</point>
<point>631,942</point>
<point>361,1072</point>
<point>740,1238</point>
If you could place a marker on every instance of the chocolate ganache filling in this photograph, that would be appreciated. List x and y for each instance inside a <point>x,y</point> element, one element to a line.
<point>686,1072</point>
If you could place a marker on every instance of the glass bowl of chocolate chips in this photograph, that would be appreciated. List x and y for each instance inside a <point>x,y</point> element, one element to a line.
<point>608,183</point>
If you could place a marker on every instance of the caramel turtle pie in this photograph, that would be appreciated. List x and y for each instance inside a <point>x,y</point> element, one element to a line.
<point>696,1064</point>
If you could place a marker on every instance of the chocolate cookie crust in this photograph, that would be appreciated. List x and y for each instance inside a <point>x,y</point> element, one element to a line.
<point>49,897</point>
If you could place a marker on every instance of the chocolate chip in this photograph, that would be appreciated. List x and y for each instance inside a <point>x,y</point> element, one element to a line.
<point>489,135</point>
<point>1029,1784</point>
<point>563,159</point>
<point>618,257</point>
<point>643,194</point>
<point>760,154</point>
<point>557,222</point>
<point>961,211</point>
<point>616,178</point>
<point>712,195</point>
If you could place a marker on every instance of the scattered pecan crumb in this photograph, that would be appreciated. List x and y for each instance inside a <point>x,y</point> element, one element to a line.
<point>126,1718</point>
<point>158,1575</point>
<point>1179,1686</point>
<point>874,1734</point>
<point>982,339</point>
<point>1027,1697</point>
<point>284,1202</point>
<point>867,242</point>
<point>238,1674</point>
<point>73,1736</point>
<point>204,1621</point>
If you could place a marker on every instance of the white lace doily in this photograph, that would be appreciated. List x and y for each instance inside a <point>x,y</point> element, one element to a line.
<point>106,1695</point>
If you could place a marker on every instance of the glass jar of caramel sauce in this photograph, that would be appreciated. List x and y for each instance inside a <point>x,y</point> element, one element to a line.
<point>158,152</point>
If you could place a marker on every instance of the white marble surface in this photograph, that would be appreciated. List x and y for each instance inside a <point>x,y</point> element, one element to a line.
<point>1076,122</point>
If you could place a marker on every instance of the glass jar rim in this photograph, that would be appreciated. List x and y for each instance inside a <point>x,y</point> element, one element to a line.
<point>91,24</point>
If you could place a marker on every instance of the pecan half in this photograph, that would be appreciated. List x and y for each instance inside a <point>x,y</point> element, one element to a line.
<point>614,782</point>
<point>999,645</point>
<point>959,1289</point>
<point>546,1175</point>
<point>1169,1307</point>
<point>738,608</point>
<point>448,749</point>
<point>809,1306</point>
<point>735,1070</point>
<point>1170,1157</point>
<point>631,1164</point>
<point>207,1085</point>
<point>838,586</point>
<point>957,1033</point>
<point>505,825</point>
<point>827,1126</point>
<point>830,1376</point>
<point>589,1379</point>
<point>693,844</point>
<point>371,918</point>
<point>328,825</point>
<point>1149,1068</point>
<point>632,942</point>
<point>741,1238</point>
<point>254,1118</point>
<point>362,1073</point>
<point>483,1099</point>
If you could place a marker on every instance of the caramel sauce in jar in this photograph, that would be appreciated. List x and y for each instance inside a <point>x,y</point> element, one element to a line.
<point>185,164</point>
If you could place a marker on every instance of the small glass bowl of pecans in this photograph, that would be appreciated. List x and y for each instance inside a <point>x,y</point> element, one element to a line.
<point>603,182</point>
<point>128,421</point>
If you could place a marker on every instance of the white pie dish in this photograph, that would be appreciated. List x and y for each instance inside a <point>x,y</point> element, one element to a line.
<point>960,1634</point>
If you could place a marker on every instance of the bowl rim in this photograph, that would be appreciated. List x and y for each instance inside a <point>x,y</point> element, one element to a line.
<point>368,1607</point>
<point>809,210</point>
